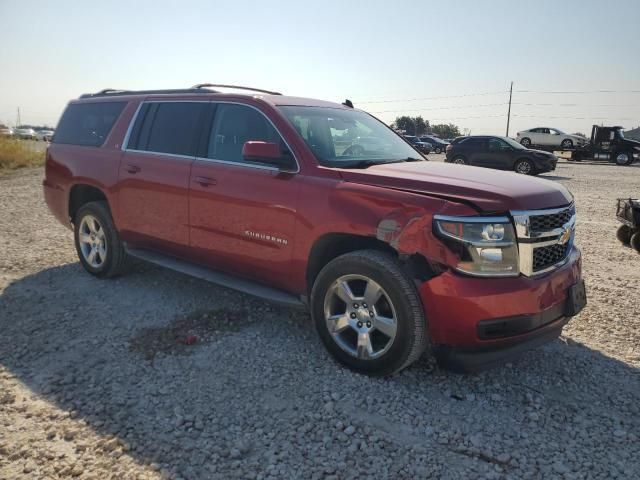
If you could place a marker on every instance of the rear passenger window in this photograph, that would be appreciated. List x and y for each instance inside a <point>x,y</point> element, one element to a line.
<point>170,127</point>
<point>87,124</point>
<point>233,126</point>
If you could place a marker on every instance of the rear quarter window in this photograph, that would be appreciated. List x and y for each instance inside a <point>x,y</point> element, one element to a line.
<point>87,124</point>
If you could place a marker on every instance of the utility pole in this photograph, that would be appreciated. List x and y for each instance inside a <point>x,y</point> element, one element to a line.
<point>18,121</point>
<point>509,111</point>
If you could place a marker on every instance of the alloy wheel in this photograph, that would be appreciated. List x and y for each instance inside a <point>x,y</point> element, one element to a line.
<point>360,316</point>
<point>523,167</point>
<point>92,240</point>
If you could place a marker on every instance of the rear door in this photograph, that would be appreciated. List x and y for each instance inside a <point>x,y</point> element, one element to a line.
<point>475,150</point>
<point>242,213</point>
<point>153,187</point>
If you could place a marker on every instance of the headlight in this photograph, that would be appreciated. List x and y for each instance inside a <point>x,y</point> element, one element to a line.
<point>486,245</point>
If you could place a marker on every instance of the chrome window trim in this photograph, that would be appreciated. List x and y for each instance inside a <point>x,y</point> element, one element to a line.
<point>125,143</point>
<point>172,155</point>
<point>474,219</point>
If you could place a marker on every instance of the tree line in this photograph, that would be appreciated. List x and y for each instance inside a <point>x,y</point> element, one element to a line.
<point>419,126</point>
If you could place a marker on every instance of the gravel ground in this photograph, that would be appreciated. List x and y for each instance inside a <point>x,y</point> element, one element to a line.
<point>98,379</point>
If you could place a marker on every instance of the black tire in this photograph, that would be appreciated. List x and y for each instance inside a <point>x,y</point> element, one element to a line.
<point>566,143</point>
<point>524,166</point>
<point>116,259</point>
<point>438,150</point>
<point>623,158</point>
<point>460,160</point>
<point>635,241</point>
<point>410,339</point>
<point>525,142</point>
<point>624,234</point>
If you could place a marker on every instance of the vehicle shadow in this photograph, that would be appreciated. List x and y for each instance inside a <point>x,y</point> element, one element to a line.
<point>112,353</point>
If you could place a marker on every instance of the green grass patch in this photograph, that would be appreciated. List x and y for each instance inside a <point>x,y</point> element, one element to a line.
<point>16,154</point>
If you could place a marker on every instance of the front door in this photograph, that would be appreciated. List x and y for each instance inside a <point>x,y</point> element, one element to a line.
<point>242,213</point>
<point>497,154</point>
<point>153,180</point>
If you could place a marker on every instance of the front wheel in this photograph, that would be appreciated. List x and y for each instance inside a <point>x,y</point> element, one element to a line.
<point>438,150</point>
<point>98,244</point>
<point>624,234</point>
<point>525,142</point>
<point>524,167</point>
<point>459,160</point>
<point>635,241</point>
<point>368,313</point>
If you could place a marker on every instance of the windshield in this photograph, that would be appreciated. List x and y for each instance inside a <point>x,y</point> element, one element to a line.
<point>620,133</point>
<point>348,138</point>
<point>513,143</point>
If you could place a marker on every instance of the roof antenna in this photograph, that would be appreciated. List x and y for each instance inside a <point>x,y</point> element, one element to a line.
<point>348,103</point>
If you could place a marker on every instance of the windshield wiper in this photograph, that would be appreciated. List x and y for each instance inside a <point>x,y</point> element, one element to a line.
<point>413,159</point>
<point>369,163</point>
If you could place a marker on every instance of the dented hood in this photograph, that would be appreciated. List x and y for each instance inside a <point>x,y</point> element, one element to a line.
<point>489,190</point>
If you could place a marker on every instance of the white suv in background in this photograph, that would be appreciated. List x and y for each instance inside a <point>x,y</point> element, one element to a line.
<point>549,137</point>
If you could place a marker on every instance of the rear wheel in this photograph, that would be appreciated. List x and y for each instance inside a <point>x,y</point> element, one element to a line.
<point>567,143</point>
<point>624,158</point>
<point>525,142</point>
<point>624,234</point>
<point>524,167</point>
<point>368,313</point>
<point>98,244</point>
<point>459,160</point>
<point>438,150</point>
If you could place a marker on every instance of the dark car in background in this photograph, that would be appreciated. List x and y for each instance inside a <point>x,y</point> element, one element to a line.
<point>439,145</point>
<point>501,153</point>
<point>424,147</point>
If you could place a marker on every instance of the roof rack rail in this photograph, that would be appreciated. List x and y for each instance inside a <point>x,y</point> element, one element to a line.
<point>237,87</point>
<point>109,92</point>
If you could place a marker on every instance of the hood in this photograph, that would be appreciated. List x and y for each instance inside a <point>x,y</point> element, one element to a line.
<point>488,190</point>
<point>631,141</point>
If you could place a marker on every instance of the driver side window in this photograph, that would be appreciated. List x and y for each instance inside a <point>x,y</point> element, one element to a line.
<point>233,126</point>
<point>495,144</point>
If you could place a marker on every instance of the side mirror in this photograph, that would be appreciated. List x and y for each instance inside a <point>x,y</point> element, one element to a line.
<point>266,152</point>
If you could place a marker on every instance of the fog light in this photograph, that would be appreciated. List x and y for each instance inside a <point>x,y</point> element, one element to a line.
<point>490,254</point>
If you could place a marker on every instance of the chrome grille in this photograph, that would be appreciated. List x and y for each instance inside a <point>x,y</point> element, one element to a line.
<point>540,223</point>
<point>545,238</point>
<point>545,257</point>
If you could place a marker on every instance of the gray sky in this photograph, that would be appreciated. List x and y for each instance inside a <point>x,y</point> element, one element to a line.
<point>447,61</point>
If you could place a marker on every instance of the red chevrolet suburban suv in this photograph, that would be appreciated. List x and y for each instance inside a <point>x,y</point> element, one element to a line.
<point>280,197</point>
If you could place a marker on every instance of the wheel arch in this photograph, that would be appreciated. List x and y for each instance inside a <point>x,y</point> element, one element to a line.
<point>332,245</point>
<point>81,194</point>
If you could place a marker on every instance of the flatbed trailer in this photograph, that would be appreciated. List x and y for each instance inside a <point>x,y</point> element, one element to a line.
<point>606,143</point>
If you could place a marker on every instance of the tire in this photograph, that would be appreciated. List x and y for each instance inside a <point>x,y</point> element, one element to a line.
<point>94,224</point>
<point>624,234</point>
<point>459,160</point>
<point>399,340</point>
<point>525,142</point>
<point>438,150</point>
<point>524,166</point>
<point>623,158</point>
<point>635,241</point>
<point>567,143</point>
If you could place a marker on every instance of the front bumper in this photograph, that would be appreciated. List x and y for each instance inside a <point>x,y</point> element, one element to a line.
<point>477,322</point>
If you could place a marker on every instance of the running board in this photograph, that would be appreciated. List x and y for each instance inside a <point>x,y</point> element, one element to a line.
<point>222,279</point>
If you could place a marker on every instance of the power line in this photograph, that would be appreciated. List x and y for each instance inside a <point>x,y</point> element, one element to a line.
<point>577,92</point>
<point>452,107</point>
<point>432,98</point>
